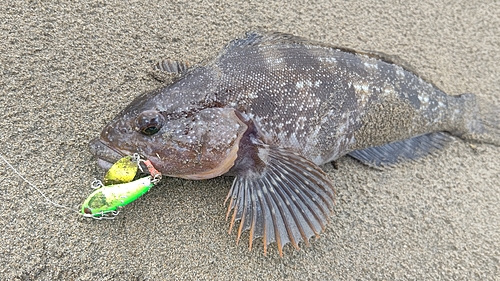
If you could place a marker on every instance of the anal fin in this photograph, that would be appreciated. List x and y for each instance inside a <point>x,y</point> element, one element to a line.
<point>395,152</point>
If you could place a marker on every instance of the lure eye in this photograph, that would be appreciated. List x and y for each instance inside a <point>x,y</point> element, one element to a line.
<point>150,122</point>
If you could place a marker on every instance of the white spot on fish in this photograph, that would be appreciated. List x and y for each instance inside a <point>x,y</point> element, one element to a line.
<point>400,72</point>
<point>362,92</point>
<point>301,84</point>
<point>371,65</point>
<point>423,97</point>
<point>328,60</point>
<point>252,95</point>
<point>363,88</point>
<point>388,91</point>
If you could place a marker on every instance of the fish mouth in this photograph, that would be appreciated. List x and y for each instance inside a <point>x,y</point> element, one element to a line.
<point>105,154</point>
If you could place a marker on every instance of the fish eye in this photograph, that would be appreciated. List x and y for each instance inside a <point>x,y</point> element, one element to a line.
<point>150,130</point>
<point>150,122</point>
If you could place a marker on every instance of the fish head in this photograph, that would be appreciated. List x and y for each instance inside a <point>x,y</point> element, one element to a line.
<point>193,142</point>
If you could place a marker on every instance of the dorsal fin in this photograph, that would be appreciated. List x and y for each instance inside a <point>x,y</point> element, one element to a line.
<point>171,66</point>
<point>167,70</point>
<point>259,38</point>
<point>263,38</point>
<point>388,58</point>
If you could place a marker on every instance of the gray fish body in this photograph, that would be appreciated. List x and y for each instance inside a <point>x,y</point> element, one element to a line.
<point>318,100</point>
<point>269,109</point>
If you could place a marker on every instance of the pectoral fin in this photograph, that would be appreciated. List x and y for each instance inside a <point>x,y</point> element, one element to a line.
<point>288,200</point>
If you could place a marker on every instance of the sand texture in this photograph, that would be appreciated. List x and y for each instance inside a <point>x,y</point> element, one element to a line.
<point>68,67</point>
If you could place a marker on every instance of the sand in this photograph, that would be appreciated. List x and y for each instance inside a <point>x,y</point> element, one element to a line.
<point>68,68</point>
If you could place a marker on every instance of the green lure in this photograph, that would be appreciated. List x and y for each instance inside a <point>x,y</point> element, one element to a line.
<point>107,199</point>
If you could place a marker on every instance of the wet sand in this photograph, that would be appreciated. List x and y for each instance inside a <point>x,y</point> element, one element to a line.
<point>68,68</point>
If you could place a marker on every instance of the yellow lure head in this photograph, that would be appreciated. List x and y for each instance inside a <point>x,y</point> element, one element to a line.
<point>123,171</point>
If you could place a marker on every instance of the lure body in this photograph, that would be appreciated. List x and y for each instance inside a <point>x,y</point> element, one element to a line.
<point>108,199</point>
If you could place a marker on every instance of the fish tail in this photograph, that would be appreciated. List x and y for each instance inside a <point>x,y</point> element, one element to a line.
<point>480,120</point>
<point>490,119</point>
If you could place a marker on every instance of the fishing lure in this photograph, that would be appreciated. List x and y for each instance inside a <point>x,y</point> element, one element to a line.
<point>105,201</point>
<point>123,171</point>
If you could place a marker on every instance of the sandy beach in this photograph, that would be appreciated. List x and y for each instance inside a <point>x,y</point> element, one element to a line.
<point>68,68</point>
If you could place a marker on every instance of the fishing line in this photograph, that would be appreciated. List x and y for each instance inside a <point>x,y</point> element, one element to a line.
<point>57,205</point>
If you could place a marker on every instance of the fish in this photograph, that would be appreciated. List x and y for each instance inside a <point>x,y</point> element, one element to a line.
<point>270,108</point>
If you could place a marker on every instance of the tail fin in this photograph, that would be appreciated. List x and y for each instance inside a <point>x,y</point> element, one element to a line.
<point>490,118</point>
<point>482,121</point>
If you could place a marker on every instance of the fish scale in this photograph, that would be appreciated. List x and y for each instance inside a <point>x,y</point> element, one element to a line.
<point>270,108</point>
<point>293,87</point>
